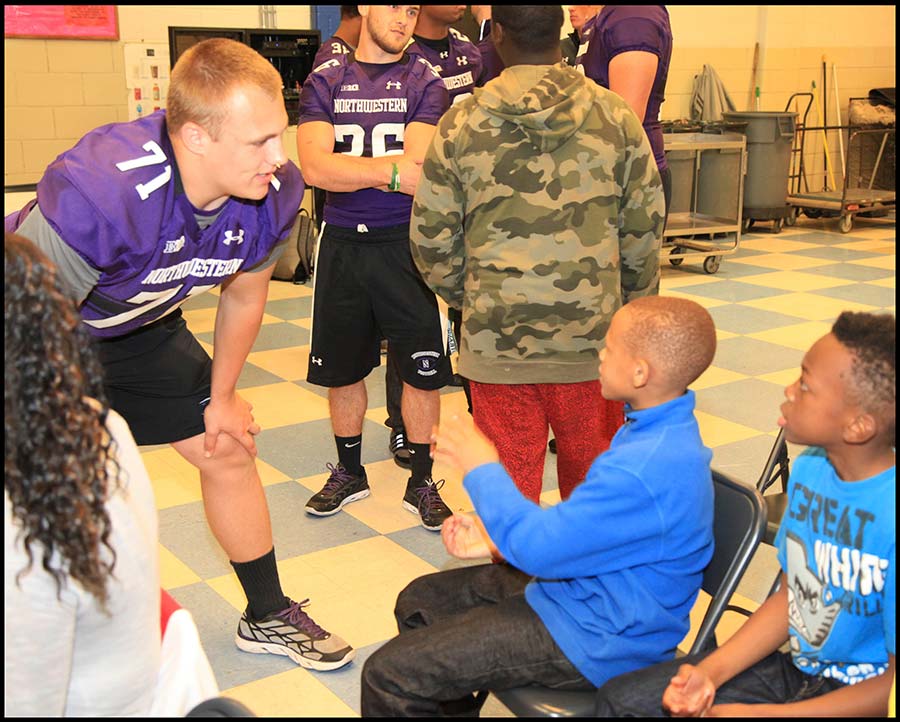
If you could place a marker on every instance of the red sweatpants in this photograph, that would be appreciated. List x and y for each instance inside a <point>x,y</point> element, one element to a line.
<point>515,418</point>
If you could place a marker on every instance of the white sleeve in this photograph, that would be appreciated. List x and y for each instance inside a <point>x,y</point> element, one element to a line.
<point>39,632</point>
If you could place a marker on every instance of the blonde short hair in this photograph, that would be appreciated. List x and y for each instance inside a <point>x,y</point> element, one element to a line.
<point>675,335</point>
<point>204,78</point>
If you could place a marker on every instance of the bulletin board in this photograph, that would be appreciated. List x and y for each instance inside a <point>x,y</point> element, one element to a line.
<point>80,22</point>
<point>147,77</point>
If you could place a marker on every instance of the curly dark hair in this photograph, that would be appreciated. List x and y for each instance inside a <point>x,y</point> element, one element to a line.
<point>872,338</point>
<point>60,464</point>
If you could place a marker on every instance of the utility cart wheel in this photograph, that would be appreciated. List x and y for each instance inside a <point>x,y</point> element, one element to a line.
<point>746,225</point>
<point>778,225</point>
<point>711,264</point>
<point>813,212</point>
<point>673,259</point>
<point>846,223</point>
<point>791,218</point>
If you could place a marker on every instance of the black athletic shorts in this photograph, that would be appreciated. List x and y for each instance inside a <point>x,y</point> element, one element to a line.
<point>368,288</point>
<point>158,378</point>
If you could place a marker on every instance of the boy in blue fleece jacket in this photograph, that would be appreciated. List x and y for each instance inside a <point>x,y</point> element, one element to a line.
<point>597,585</point>
<point>836,546</point>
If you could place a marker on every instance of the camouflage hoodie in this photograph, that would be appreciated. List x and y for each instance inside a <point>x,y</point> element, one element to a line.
<point>539,213</point>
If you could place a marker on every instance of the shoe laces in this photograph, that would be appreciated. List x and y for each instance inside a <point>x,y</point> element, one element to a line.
<point>429,499</point>
<point>295,615</point>
<point>339,477</point>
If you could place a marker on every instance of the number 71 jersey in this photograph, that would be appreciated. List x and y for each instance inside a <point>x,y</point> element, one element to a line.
<point>116,200</point>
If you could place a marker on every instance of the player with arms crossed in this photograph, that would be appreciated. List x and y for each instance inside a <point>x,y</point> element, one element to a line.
<point>365,124</point>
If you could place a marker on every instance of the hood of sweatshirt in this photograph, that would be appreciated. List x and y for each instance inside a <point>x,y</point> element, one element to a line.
<point>548,102</point>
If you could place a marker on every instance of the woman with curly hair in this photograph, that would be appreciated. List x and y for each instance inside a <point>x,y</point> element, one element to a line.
<point>81,592</point>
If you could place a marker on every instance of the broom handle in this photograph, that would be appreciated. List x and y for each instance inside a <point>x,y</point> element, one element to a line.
<point>837,105</point>
<point>828,163</point>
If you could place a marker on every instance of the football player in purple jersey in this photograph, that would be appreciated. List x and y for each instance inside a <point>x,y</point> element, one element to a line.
<point>345,38</point>
<point>140,216</point>
<point>455,58</point>
<point>491,62</point>
<point>366,120</point>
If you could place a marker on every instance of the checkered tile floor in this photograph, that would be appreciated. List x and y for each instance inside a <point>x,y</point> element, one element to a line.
<point>770,301</point>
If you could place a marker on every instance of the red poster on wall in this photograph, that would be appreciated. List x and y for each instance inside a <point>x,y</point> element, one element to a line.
<point>82,22</point>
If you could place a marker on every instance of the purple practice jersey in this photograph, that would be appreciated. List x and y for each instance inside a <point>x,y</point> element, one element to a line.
<point>370,106</point>
<point>333,47</point>
<point>115,198</point>
<point>455,58</point>
<point>622,28</point>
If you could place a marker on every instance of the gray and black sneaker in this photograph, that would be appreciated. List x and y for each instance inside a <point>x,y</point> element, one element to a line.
<point>399,448</point>
<point>292,633</point>
<point>341,488</point>
<point>425,501</point>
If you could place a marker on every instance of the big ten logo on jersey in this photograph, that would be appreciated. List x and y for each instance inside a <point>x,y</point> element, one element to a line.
<point>339,49</point>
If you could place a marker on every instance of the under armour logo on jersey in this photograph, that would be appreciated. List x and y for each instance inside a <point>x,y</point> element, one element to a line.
<point>229,237</point>
<point>445,54</point>
<point>392,84</point>
<point>174,246</point>
<point>314,359</point>
<point>462,60</point>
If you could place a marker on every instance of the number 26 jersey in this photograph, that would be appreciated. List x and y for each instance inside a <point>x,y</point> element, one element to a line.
<point>370,106</point>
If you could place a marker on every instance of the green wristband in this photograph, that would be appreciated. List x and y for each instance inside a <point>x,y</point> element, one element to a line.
<point>394,185</point>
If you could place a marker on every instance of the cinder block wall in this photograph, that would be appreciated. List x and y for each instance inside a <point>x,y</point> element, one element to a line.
<point>56,90</point>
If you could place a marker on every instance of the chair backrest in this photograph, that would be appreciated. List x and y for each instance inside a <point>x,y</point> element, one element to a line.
<point>739,523</point>
<point>778,457</point>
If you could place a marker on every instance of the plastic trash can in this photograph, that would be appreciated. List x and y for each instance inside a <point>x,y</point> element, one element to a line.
<point>770,138</point>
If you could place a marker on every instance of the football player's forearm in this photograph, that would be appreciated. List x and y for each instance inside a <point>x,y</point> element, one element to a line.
<point>344,173</point>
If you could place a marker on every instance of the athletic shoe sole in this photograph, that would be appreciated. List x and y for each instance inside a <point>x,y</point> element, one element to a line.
<point>246,645</point>
<point>353,497</point>
<point>409,507</point>
<point>402,463</point>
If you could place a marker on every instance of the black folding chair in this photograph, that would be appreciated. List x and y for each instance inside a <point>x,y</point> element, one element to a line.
<point>777,467</point>
<point>220,707</point>
<point>738,526</point>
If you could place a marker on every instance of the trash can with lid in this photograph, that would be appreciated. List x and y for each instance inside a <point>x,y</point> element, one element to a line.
<point>770,138</point>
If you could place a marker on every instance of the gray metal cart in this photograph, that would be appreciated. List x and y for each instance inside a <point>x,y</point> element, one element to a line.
<point>860,192</point>
<point>707,195</point>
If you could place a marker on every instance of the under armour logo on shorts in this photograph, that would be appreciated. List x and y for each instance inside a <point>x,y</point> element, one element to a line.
<point>315,360</point>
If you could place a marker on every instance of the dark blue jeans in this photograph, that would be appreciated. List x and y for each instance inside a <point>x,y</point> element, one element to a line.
<point>462,631</point>
<point>773,680</point>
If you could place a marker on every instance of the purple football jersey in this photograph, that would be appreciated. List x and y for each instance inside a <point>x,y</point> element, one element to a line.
<point>622,28</point>
<point>370,106</point>
<point>455,58</point>
<point>333,47</point>
<point>115,199</point>
<point>587,30</point>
